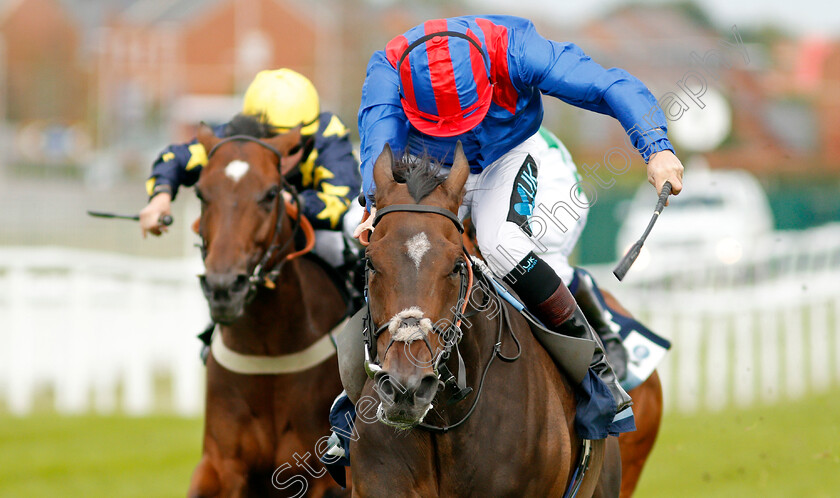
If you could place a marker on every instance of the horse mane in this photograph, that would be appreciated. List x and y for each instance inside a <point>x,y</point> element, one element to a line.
<point>252,126</point>
<point>422,175</point>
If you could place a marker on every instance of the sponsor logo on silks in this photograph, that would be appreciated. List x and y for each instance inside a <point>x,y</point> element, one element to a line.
<point>641,352</point>
<point>526,206</point>
<point>523,195</point>
<point>530,264</point>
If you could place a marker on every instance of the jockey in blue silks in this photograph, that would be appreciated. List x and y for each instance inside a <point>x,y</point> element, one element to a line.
<point>480,80</point>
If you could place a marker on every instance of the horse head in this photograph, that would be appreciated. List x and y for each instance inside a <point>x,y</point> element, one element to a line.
<point>416,278</point>
<point>242,211</point>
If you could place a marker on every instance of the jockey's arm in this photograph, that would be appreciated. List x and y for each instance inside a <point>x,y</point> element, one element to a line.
<point>178,165</point>
<point>381,119</point>
<point>330,176</point>
<point>563,71</point>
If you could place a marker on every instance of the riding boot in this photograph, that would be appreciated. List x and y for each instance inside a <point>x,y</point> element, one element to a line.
<point>561,314</point>
<point>601,320</point>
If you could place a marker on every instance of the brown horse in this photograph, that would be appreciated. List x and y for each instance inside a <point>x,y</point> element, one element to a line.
<point>647,408</point>
<point>513,435</point>
<point>269,384</point>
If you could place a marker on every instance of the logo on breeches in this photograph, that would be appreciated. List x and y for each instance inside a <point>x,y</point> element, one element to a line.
<point>523,195</point>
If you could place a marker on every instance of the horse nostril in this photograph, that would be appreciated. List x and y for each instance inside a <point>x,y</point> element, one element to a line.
<point>384,387</point>
<point>240,283</point>
<point>426,390</point>
<point>224,286</point>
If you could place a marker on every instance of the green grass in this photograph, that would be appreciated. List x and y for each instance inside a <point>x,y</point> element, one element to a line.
<point>786,450</point>
<point>49,455</point>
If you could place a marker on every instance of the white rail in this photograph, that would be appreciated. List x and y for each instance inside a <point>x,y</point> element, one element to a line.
<point>99,331</point>
<point>103,332</point>
<point>763,330</point>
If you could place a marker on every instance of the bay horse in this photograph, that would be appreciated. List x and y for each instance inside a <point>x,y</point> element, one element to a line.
<point>635,446</point>
<point>513,434</point>
<point>269,384</point>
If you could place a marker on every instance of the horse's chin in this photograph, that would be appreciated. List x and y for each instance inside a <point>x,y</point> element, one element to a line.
<point>226,314</point>
<point>402,419</point>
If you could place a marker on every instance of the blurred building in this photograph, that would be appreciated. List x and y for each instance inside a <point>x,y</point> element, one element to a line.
<point>45,77</point>
<point>140,73</point>
<point>183,59</point>
<point>44,84</point>
<point>783,92</point>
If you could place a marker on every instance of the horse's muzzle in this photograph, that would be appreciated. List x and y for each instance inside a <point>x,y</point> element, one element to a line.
<point>225,293</point>
<point>405,401</point>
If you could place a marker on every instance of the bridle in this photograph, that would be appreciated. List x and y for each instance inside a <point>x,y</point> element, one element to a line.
<point>439,360</point>
<point>265,273</point>
<point>372,333</point>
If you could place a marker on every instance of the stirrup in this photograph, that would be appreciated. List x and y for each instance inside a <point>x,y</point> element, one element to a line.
<point>334,447</point>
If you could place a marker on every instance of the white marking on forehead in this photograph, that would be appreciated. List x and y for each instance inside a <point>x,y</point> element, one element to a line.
<point>418,246</point>
<point>409,325</point>
<point>236,170</point>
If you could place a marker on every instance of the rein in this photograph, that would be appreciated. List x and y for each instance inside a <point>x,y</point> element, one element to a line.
<point>497,353</point>
<point>371,332</point>
<point>265,274</point>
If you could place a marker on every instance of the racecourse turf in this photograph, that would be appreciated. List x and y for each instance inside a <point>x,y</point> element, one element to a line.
<point>784,450</point>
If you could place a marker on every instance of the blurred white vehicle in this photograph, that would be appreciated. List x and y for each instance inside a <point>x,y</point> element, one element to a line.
<point>719,216</point>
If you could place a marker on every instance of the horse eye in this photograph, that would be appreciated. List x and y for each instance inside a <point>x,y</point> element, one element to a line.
<point>200,196</point>
<point>369,266</point>
<point>271,195</point>
<point>456,270</point>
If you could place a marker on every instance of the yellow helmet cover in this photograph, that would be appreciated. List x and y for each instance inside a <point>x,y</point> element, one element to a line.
<point>286,98</point>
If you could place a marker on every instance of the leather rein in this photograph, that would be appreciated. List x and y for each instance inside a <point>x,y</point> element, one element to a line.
<point>453,333</point>
<point>264,273</point>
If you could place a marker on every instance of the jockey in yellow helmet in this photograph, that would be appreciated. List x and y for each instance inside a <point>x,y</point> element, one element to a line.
<point>285,98</point>
<point>328,177</point>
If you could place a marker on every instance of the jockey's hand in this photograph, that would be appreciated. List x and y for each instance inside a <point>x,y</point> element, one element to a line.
<point>366,224</point>
<point>160,205</point>
<point>665,166</point>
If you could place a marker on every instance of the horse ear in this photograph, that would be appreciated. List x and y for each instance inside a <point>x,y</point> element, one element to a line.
<point>458,174</point>
<point>383,171</point>
<point>286,142</point>
<point>206,137</point>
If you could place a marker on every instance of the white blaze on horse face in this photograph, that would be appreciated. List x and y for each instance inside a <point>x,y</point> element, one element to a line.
<point>409,325</point>
<point>236,170</point>
<point>417,247</point>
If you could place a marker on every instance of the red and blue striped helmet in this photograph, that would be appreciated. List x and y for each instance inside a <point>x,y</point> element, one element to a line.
<point>445,86</point>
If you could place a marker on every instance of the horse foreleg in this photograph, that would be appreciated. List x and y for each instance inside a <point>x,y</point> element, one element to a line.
<point>647,408</point>
<point>205,480</point>
<point>636,446</point>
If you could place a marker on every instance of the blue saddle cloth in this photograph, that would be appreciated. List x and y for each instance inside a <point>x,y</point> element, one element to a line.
<point>342,421</point>
<point>645,349</point>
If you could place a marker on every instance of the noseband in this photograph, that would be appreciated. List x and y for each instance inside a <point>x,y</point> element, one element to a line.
<point>372,333</point>
<point>263,274</point>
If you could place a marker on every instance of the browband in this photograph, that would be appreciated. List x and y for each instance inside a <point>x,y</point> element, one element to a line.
<point>418,208</point>
<point>243,138</point>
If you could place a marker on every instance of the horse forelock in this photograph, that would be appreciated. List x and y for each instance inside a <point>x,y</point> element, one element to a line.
<point>420,174</point>
<point>252,126</point>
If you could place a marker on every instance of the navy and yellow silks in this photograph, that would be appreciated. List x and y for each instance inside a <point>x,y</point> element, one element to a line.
<point>328,179</point>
